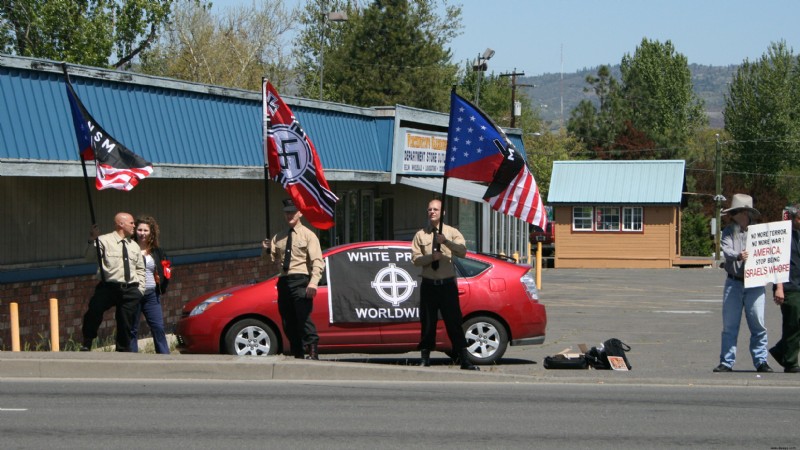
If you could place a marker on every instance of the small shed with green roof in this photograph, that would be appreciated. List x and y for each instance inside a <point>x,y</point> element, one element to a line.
<point>618,214</point>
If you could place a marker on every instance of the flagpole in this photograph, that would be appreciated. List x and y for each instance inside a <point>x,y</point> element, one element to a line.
<point>444,193</point>
<point>88,191</point>
<point>88,194</point>
<point>437,246</point>
<point>265,135</point>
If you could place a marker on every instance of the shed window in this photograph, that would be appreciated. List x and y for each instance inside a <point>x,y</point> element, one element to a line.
<point>632,218</point>
<point>607,218</point>
<point>582,218</point>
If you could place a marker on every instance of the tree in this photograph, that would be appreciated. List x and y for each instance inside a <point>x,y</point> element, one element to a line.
<point>544,148</point>
<point>235,49</point>
<point>657,90</point>
<point>605,128</point>
<point>695,232</point>
<point>318,36</point>
<point>389,52</point>
<point>651,113</point>
<point>762,115</point>
<point>88,32</point>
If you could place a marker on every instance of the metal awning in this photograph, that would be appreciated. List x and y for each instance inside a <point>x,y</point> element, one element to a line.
<point>455,187</point>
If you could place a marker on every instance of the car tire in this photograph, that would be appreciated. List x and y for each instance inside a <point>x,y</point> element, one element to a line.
<point>251,337</point>
<point>487,340</point>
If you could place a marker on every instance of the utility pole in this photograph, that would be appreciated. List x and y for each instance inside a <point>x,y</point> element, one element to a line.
<point>513,76</point>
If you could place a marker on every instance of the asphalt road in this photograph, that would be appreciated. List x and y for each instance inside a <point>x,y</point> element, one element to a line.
<point>104,414</point>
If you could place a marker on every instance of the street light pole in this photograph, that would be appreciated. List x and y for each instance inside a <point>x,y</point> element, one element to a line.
<point>479,66</point>
<point>338,16</point>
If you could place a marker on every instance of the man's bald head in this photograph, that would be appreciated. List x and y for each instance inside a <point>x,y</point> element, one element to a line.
<point>124,224</point>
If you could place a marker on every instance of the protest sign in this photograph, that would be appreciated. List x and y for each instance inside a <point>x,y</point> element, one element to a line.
<point>768,249</point>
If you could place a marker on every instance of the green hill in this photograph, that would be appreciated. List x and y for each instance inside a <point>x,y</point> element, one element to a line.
<point>710,83</point>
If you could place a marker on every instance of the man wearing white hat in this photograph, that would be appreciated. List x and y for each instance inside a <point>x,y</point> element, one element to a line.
<point>735,296</point>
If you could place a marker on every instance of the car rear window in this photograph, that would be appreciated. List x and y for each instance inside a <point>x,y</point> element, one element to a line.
<point>469,267</point>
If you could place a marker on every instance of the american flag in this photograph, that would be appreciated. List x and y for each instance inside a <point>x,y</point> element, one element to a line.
<point>117,167</point>
<point>478,150</point>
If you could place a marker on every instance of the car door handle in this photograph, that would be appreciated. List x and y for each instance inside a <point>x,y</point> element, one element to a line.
<point>461,291</point>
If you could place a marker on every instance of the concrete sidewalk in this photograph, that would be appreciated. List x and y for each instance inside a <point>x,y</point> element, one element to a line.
<point>111,365</point>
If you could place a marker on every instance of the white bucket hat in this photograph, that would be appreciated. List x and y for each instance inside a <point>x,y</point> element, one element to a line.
<point>739,202</point>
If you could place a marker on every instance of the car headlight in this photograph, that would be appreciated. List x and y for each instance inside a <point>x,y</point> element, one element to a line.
<point>529,282</point>
<point>208,303</point>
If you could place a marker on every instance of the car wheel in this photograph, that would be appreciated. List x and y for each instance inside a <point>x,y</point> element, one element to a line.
<point>487,339</point>
<point>251,337</point>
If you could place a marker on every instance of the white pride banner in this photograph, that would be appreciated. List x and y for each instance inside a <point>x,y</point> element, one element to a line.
<point>768,249</point>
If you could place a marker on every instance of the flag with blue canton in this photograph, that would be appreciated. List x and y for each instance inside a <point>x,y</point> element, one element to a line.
<point>478,150</point>
<point>117,167</point>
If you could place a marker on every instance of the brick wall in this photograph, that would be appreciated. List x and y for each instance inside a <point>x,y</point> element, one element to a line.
<point>73,294</point>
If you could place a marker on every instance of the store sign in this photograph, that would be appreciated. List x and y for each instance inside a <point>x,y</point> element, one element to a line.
<point>424,153</point>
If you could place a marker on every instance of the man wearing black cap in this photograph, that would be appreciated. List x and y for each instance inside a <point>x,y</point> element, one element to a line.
<point>299,255</point>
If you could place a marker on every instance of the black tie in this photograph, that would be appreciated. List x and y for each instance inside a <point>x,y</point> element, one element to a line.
<point>287,257</point>
<point>435,247</point>
<point>125,262</point>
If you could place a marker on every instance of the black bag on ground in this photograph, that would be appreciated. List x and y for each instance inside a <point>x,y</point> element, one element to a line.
<point>615,347</point>
<point>562,362</point>
<point>598,358</point>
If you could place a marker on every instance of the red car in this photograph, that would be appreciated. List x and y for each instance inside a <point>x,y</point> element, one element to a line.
<point>368,302</point>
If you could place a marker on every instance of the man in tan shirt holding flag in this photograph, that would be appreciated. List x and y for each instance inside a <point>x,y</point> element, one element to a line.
<point>121,274</point>
<point>439,291</point>
<point>298,252</point>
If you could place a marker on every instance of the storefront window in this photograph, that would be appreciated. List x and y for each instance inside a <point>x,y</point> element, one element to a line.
<point>632,218</point>
<point>607,218</point>
<point>582,218</point>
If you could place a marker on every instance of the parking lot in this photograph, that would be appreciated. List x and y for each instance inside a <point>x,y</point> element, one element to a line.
<point>670,317</point>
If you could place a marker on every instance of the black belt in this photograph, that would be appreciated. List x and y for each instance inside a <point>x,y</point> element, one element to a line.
<point>734,277</point>
<point>122,285</point>
<point>438,282</point>
<point>296,276</point>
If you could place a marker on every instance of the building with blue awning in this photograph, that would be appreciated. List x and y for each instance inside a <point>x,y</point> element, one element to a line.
<point>207,190</point>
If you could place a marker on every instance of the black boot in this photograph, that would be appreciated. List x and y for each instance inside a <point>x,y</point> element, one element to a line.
<point>313,352</point>
<point>465,364</point>
<point>425,360</point>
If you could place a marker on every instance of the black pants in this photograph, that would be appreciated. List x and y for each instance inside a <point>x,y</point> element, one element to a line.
<point>295,310</point>
<point>786,350</point>
<point>107,296</point>
<point>435,299</point>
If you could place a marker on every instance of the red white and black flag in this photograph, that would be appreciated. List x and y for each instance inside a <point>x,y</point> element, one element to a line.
<point>478,150</point>
<point>293,162</point>
<point>117,167</point>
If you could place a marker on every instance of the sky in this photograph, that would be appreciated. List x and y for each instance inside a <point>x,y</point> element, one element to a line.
<point>536,36</point>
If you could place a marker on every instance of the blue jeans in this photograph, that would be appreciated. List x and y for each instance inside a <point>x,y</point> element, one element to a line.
<point>150,305</point>
<point>735,299</point>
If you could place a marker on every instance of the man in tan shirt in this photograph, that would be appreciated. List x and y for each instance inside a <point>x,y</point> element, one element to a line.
<point>439,291</point>
<point>121,273</point>
<point>297,252</point>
